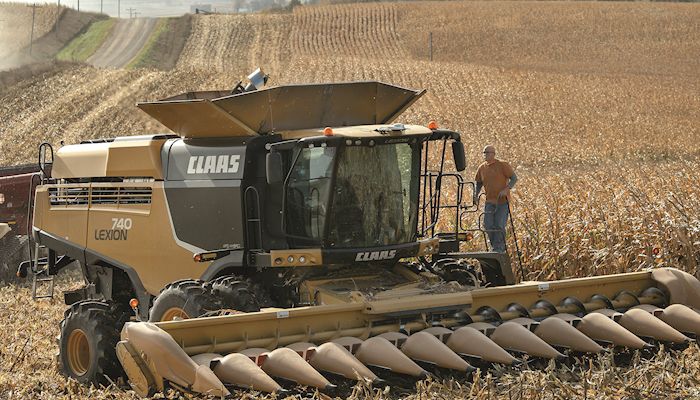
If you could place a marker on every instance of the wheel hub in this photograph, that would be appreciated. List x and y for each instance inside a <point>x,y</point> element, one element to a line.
<point>78,352</point>
<point>174,313</point>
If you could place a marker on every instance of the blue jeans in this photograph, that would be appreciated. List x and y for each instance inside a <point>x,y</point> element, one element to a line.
<point>495,219</point>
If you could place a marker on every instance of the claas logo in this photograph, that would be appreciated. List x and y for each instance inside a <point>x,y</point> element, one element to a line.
<point>222,164</point>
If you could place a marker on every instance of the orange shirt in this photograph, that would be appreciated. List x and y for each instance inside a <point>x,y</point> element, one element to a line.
<point>495,178</point>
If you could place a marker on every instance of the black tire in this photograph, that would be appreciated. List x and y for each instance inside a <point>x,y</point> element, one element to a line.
<point>12,253</point>
<point>233,293</point>
<point>89,333</point>
<point>492,273</point>
<point>183,299</point>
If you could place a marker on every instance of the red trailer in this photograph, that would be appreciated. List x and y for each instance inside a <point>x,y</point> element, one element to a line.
<point>17,184</point>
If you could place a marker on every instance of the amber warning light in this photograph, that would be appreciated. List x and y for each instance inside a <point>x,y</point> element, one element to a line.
<point>211,255</point>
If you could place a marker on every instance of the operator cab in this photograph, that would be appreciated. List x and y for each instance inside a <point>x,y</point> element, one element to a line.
<point>354,191</point>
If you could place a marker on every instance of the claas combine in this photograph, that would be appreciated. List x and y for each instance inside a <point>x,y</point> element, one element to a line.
<point>292,235</point>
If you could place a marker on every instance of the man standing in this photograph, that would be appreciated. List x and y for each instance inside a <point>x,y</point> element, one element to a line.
<point>497,178</point>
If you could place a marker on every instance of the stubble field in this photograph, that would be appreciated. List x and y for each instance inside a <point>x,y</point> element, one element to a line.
<point>596,104</point>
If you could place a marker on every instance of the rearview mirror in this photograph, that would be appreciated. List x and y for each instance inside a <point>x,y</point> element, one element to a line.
<point>458,156</point>
<point>273,167</point>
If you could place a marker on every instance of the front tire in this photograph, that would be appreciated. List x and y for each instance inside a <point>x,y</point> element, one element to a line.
<point>183,300</point>
<point>89,333</point>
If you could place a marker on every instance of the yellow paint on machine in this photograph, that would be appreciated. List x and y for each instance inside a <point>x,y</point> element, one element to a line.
<point>137,235</point>
<point>148,249</point>
<point>121,158</point>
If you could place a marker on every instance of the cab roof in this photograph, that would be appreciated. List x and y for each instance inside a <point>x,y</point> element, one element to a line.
<point>360,131</point>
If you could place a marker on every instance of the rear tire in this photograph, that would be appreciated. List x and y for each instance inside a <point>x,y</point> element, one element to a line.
<point>232,293</point>
<point>183,300</point>
<point>89,333</point>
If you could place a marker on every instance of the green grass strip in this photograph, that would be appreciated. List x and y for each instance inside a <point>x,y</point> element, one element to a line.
<point>86,44</point>
<point>143,58</point>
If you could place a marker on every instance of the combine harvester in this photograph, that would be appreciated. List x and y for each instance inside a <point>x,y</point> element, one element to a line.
<point>300,223</point>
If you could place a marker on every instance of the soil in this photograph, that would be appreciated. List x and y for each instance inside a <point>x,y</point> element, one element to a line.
<point>166,50</point>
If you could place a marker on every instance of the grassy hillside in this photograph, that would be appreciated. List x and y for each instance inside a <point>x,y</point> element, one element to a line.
<point>85,45</point>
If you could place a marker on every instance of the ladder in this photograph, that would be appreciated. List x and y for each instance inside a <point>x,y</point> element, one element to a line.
<point>44,270</point>
<point>42,277</point>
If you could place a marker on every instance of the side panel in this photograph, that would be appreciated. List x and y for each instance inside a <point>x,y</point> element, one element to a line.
<point>141,236</point>
<point>63,212</point>
<point>203,190</point>
<point>207,214</point>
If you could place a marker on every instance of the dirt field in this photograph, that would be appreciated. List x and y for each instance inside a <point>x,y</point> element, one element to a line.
<point>597,104</point>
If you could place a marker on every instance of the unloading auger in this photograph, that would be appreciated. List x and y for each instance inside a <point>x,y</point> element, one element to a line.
<point>405,333</point>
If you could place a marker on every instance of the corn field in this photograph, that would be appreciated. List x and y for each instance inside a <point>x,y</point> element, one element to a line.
<point>597,105</point>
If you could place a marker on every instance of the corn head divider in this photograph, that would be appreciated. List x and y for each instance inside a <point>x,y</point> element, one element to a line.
<point>498,325</point>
